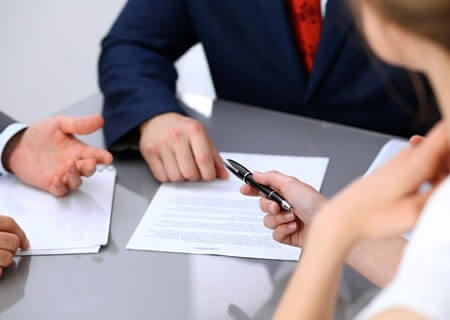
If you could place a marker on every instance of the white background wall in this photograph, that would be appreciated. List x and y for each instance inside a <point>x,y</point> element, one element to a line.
<point>49,51</point>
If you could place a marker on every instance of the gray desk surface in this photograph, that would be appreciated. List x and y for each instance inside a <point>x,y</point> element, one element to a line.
<point>122,284</point>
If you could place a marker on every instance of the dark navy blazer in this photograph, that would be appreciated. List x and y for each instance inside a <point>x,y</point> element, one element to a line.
<point>254,60</point>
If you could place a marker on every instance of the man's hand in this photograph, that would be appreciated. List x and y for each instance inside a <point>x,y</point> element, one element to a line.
<point>178,148</point>
<point>12,238</point>
<point>289,228</point>
<point>48,156</point>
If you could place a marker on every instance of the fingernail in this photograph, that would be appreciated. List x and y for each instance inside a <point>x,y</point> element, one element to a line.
<point>289,216</point>
<point>292,226</point>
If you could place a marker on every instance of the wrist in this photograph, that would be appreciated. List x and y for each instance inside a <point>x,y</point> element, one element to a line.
<point>11,150</point>
<point>330,227</point>
<point>146,123</point>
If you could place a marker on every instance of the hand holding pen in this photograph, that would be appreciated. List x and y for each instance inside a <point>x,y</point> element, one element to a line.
<point>247,176</point>
<point>289,227</point>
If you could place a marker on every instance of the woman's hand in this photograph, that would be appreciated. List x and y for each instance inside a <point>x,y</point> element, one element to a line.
<point>388,202</point>
<point>288,227</point>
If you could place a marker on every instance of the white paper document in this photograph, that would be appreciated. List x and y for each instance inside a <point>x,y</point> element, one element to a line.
<point>389,150</point>
<point>76,223</point>
<point>214,218</point>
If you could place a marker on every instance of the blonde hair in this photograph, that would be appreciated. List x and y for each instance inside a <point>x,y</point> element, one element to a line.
<point>427,18</point>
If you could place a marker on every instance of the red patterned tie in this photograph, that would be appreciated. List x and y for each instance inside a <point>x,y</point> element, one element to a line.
<point>306,19</point>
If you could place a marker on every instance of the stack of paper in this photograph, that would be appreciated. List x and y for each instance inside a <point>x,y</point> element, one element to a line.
<point>77,223</point>
<point>214,218</point>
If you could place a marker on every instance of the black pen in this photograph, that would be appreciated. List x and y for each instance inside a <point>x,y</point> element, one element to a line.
<point>247,176</point>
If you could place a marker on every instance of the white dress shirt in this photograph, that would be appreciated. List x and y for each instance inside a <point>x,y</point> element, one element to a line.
<point>6,135</point>
<point>323,4</point>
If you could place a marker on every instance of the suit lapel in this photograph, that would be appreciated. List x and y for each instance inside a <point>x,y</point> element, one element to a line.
<point>280,35</point>
<point>335,30</point>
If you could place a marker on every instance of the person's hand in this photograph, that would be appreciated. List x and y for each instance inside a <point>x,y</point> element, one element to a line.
<point>388,202</point>
<point>48,156</point>
<point>12,238</point>
<point>289,228</point>
<point>178,148</point>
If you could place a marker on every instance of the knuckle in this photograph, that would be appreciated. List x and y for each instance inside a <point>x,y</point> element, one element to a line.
<point>8,223</point>
<point>151,149</point>
<point>290,180</point>
<point>12,242</point>
<point>195,126</point>
<point>175,133</point>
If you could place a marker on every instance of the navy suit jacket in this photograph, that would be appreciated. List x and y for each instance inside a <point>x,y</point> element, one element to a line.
<point>254,60</point>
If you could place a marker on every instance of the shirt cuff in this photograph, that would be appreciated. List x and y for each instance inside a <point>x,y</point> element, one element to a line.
<point>5,136</point>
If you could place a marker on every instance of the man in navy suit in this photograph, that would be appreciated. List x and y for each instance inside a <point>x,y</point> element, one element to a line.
<point>254,58</point>
<point>260,52</point>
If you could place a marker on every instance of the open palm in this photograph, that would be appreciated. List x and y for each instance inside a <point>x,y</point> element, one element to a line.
<point>48,156</point>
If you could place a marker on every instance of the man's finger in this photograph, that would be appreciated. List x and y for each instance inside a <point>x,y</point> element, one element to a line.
<point>170,165</point>
<point>58,186</point>
<point>9,242</point>
<point>221,171</point>
<point>86,167</point>
<point>102,156</point>
<point>6,258</point>
<point>9,225</point>
<point>73,178</point>
<point>80,125</point>
<point>204,156</point>
<point>156,167</point>
<point>186,162</point>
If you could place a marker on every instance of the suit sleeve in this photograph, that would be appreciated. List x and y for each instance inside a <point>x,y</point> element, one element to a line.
<point>5,121</point>
<point>8,129</point>
<point>136,69</point>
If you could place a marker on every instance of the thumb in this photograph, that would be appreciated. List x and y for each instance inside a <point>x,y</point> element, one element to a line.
<point>80,125</point>
<point>273,179</point>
